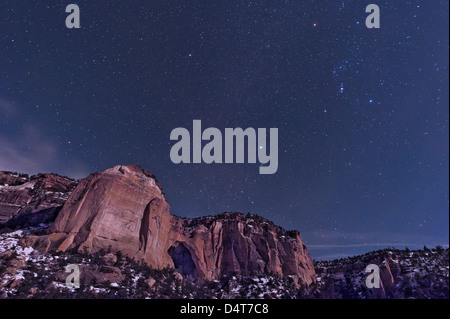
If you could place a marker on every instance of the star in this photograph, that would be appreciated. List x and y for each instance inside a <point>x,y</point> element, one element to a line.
<point>348,102</point>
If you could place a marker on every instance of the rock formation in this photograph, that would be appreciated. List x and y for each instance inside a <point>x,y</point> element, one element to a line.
<point>355,268</point>
<point>31,201</point>
<point>124,209</point>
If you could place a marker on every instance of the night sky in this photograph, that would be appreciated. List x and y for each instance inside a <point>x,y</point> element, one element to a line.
<point>362,113</point>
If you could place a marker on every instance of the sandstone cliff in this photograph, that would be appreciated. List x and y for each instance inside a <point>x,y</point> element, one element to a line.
<point>124,209</point>
<point>30,201</point>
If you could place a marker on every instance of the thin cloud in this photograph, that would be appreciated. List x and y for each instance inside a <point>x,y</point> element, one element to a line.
<point>324,244</point>
<point>319,252</point>
<point>29,149</point>
<point>364,245</point>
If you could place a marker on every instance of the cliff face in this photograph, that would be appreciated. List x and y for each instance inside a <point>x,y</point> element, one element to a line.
<point>30,201</point>
<point>404,274</point>
<point>124,209</point>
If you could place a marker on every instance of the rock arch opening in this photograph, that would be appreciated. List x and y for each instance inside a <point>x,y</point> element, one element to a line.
<point>182,260</point>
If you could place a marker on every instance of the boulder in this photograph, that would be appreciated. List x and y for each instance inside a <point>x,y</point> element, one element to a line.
<point>110,259</point>
<point>151,282</point>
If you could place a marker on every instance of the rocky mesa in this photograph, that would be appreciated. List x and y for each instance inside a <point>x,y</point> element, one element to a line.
<point>124,209</point>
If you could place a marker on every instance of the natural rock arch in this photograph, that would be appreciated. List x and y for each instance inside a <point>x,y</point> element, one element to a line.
<point>182,260</point>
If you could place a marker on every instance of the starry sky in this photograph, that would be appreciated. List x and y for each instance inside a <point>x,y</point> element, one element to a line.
<point>362,113</point>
